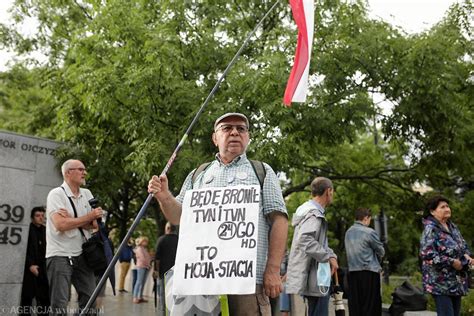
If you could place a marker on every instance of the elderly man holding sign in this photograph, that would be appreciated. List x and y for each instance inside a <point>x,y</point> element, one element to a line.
<point>233,224</point>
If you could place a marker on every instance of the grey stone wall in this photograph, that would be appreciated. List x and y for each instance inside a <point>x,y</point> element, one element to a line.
<point>28,171</point>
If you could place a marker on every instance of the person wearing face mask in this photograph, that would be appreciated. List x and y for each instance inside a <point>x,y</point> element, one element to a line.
<point>309,250</point>
<point>445,258</point>
<point>364,254</point>
<point>35,281</point>
<point>231,167</point>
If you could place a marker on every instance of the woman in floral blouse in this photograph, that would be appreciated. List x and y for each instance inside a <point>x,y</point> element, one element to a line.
<point>445,258</point>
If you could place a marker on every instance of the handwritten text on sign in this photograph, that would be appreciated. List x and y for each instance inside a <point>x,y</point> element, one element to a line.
<point>217,248</point>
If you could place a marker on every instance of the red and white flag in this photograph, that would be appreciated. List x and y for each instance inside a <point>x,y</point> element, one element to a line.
<point>297,86</point>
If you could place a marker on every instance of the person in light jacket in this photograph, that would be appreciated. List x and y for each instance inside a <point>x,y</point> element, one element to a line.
<point>364,254</point>
<point>310,247</point>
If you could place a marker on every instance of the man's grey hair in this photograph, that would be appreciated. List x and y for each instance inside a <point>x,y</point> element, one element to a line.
<point>66,165</point>
<point>320,185</point>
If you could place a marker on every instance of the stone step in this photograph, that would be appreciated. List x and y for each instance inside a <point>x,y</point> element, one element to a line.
<point>385,312</point>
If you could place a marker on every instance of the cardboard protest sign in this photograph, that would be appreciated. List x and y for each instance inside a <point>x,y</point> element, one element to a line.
<point>217,248</point>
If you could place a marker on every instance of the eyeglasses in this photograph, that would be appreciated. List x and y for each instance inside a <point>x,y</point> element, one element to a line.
<point>227,128</point>
<point>80,169</point>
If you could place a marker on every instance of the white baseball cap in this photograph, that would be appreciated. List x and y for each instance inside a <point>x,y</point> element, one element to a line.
<point>240,115</point>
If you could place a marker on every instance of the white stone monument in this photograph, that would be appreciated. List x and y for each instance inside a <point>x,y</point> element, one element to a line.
<point>28,171</point>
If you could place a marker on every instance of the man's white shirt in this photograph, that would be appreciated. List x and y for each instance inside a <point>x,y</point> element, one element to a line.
<point>68,243</point>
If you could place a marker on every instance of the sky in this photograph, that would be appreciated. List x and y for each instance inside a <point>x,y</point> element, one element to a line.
<point>412,15</point>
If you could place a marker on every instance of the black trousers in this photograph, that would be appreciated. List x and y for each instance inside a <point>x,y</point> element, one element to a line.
<point>364,294</point>
<point>41,308</point>
<point>35,287</point>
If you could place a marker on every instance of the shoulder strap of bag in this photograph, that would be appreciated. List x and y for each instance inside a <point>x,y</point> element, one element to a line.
<point>198,171</point>
<point>258,168</point>
<point>75,212</point>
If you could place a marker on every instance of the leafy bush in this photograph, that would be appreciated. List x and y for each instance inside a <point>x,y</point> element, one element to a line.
<point>408,266</point>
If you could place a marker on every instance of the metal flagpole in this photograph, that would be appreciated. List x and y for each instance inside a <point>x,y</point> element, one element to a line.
<point>168,165</point>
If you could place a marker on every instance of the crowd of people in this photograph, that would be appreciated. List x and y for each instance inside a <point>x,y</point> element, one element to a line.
<point>54,259</point>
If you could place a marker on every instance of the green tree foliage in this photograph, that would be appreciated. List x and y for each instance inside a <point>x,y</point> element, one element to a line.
<point>123,80</point>
<point>23,100</point>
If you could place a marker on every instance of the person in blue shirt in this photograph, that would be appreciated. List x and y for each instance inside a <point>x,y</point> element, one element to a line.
<point>364,253</point>
<point>125,259</point>
<point>231,167</point>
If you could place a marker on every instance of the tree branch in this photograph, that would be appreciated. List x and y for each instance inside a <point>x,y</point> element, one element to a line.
<point>84,10</point>
<point>358,177</point>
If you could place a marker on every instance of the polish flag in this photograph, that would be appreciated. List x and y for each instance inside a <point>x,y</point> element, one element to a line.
<point>297,86</point>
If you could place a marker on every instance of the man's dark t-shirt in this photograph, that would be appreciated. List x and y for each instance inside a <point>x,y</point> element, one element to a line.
<point>166,252</point>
